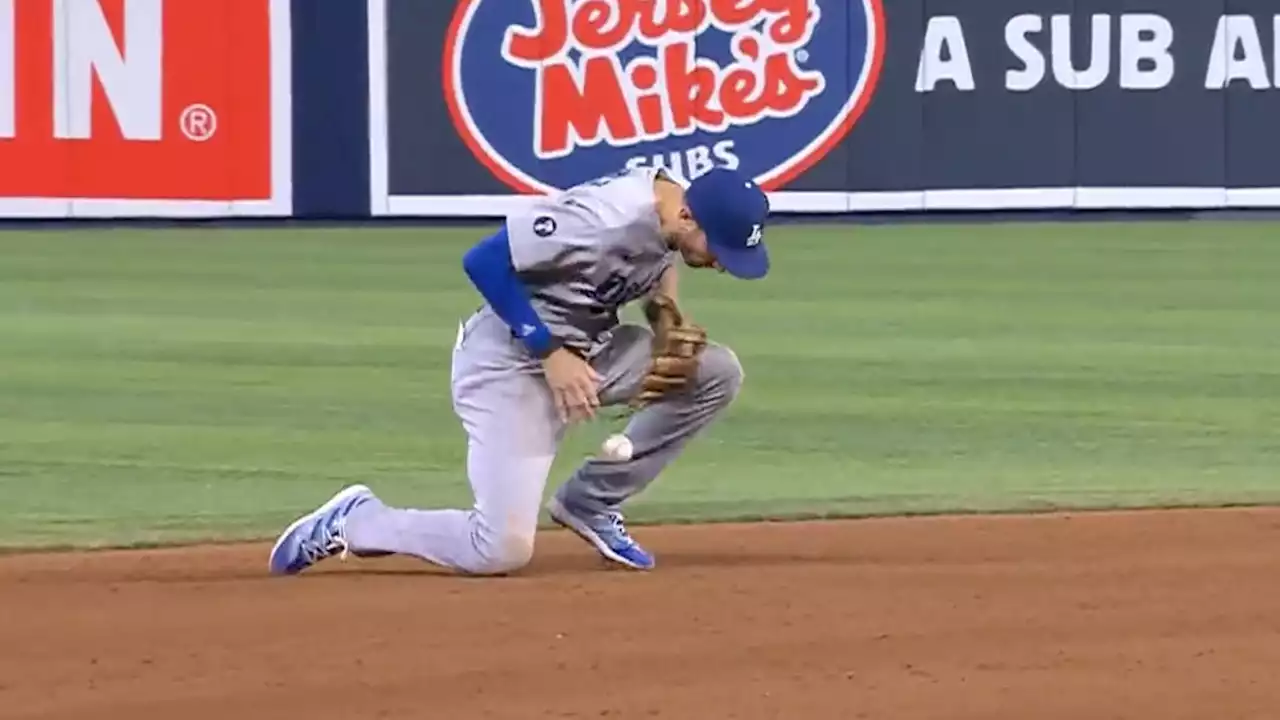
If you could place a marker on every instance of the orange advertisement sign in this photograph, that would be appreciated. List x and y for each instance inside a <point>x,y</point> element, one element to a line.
<point>136,99</point>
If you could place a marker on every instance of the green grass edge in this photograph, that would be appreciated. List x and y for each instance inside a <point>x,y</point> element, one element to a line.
<point>650,520</point>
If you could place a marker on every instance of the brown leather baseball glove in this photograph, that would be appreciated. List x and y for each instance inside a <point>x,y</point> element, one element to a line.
<point>676,347</point>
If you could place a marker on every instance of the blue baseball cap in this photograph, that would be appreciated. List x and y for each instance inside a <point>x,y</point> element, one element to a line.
<point>731,208</point>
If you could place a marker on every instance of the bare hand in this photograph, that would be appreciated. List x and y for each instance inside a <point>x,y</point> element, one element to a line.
<point>573,385</point>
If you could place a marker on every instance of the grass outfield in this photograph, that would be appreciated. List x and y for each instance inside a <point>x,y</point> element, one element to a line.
<point>161,385</point>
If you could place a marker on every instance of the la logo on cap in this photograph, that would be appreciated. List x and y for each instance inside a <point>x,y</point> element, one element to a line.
<point>756,235</point>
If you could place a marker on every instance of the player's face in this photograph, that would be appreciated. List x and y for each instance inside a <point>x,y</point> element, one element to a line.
<point>691,241</point>
<point>695,252</point>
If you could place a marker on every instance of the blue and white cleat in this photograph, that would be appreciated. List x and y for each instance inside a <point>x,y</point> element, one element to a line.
<point>606,533</point>
<point>318,534</point>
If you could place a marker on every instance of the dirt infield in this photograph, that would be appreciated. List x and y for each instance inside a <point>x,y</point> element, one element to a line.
<point>1128,615</point>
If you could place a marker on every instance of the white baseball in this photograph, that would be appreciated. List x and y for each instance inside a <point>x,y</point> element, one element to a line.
<point>617,448</point>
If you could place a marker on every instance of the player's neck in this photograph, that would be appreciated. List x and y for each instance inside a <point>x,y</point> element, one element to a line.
<point>668,199</point>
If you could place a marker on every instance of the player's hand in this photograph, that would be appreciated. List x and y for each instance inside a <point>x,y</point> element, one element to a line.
<point>574,385</point>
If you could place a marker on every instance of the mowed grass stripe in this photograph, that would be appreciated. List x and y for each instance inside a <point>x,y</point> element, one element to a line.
<point>160,385</point>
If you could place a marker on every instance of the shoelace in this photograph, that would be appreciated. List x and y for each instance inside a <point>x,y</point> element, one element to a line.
<point>331,541</point>
<point>615,519</point>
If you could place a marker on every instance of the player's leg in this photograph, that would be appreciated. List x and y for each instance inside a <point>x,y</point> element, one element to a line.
<point>513,433</point>
<point>589,501</point>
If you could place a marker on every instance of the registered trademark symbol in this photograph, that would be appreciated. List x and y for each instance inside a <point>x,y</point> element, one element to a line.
<point>199,122</point>
<point>802,56</point>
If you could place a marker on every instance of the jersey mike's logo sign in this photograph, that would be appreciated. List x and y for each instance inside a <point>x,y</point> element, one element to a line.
<point>549,93</point>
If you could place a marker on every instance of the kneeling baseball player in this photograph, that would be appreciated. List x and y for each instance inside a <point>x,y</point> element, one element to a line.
<point>546,350</point>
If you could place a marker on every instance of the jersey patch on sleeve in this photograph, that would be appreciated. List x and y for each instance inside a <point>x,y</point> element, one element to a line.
<point>544,226</point>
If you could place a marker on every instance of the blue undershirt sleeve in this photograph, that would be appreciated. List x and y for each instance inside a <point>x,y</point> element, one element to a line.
<point>492,271</point>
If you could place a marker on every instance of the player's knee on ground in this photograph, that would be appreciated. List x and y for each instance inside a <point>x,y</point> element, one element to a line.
<point>501,549</point>
<point>720,372</point>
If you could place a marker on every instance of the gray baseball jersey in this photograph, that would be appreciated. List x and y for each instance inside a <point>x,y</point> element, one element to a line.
<point>588,251</point>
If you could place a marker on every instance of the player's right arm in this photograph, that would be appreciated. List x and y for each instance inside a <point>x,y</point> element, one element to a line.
<point>491,268</point>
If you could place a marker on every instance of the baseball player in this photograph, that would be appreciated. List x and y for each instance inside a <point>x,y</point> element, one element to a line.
<point>547,350</point>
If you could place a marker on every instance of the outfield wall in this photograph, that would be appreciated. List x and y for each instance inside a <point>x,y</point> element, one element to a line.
<point>276,108</point>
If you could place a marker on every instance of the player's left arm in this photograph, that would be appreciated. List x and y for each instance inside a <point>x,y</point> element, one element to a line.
<point>668,283</point>
<point>663,297</point>
<point>664,291</point>
<point>677,343</point>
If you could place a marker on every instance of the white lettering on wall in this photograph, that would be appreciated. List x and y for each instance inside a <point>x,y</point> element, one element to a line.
<point>130,73</point>
<point>1145,60</point>
<point>1015,37</point>
<point>1237,55</point>
<point>944,35</point>
<point>1099,66</point>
